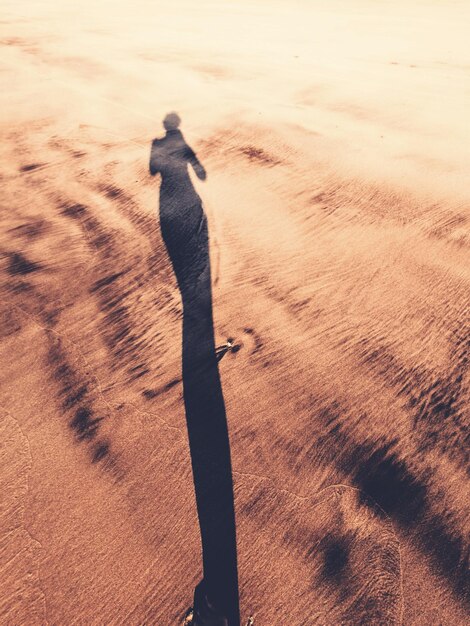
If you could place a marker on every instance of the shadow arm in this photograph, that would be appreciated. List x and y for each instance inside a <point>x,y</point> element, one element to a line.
<point>196,165</point>
<point>153,163</point>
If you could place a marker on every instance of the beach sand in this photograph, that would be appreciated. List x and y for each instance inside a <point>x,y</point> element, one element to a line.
<point>336,140</point>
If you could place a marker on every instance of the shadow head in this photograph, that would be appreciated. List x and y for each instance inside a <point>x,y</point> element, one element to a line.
<point>171,121</point>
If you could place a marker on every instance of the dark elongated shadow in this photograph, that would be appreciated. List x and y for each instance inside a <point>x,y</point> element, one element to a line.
<point>185,232</point>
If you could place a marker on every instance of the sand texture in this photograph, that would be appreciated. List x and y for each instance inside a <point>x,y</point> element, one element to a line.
<point>336,140</point>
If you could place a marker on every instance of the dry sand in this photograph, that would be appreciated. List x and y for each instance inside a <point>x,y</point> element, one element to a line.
<point>336,139</point>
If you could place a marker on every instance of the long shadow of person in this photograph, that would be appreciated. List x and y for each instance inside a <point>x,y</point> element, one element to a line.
<point>185,232</point>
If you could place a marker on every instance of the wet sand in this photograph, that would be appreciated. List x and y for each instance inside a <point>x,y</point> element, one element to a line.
<point>336,142</point>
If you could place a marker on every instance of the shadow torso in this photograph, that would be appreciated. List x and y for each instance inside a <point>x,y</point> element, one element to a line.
<point>182,218</point>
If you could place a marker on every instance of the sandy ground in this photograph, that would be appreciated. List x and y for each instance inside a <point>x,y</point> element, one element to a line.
<point>336,138</point>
